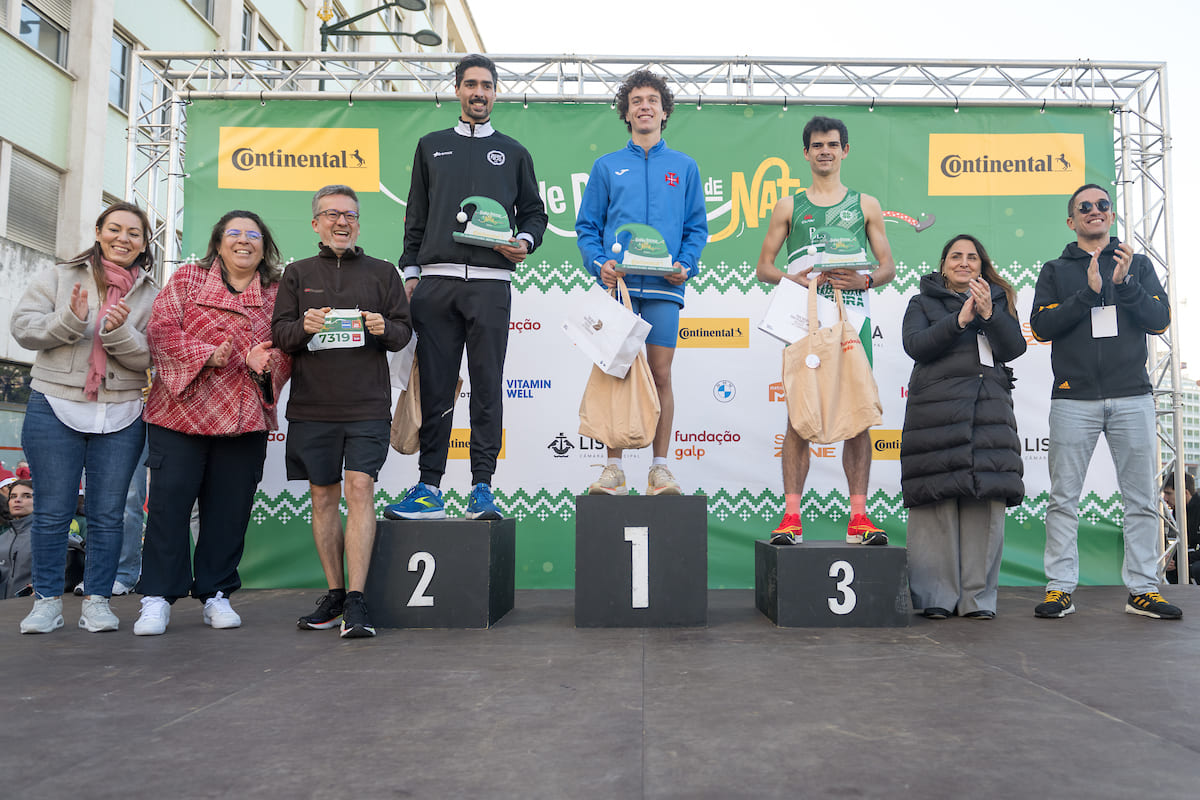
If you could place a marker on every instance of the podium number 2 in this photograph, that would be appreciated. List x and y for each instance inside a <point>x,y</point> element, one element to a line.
<point>845,575</point>
<point>639,546</point>
<point>424,562</point>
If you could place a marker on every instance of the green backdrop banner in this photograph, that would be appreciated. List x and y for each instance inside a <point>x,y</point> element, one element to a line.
<point>1001,174</point>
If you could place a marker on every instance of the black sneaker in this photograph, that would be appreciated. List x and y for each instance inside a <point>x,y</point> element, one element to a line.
<point>1057,604</point>
<point>1151,604</point>
<point>355,622</point>
<point>329,611</point>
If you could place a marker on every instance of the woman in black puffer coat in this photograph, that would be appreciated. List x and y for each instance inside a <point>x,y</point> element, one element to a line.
<point>960,458</point>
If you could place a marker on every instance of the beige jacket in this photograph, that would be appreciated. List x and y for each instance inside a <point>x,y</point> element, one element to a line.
<point>43,322</point>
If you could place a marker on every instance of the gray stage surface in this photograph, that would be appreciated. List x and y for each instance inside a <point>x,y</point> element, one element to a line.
<point>1100,704</point>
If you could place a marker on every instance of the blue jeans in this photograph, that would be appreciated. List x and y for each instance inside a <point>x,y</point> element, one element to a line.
<point>130,565</point>
<point>1128,427</point>
<point>58,457</point>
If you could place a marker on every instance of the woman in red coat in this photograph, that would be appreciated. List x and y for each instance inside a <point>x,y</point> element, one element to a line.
<point>210,408</point>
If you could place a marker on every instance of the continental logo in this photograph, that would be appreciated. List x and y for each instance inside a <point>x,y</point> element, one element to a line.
<point>727,332</point>
<point>298,159</point>
<point>885,445</point>
<point>1005,163</point>
<point>460,443</point>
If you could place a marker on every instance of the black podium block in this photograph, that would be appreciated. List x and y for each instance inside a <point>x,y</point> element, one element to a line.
<point>641,562</point>
<point>442,574</point>
<point>832,585</point>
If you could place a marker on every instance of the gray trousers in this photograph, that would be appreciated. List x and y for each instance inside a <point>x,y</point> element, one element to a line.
<point>954,549</point>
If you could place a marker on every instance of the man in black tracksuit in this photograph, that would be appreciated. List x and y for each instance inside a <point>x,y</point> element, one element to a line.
<point>460,293</point>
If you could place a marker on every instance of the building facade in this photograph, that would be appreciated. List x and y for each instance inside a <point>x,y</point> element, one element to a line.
<point>63,137</point>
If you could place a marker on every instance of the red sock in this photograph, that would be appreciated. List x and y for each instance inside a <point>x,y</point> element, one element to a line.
<point>858,504</point>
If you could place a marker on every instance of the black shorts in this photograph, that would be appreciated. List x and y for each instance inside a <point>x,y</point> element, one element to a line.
<point>315,451</point>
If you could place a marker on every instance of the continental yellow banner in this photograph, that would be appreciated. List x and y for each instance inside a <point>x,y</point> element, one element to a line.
<point>460,442</point>
<point>1005,163</point>
<point>725,332</point>
<point>885,444</point>
<point>298,159</point>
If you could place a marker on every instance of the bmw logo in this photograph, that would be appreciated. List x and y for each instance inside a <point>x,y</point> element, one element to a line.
<point>724,391</point>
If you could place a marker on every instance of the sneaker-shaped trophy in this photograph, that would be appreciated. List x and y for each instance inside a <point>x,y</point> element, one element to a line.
<point>487,227</point>
<point>839,248</point>
<point>645,251</point>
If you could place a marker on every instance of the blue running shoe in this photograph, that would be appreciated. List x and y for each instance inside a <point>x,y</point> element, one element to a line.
<point>482,506</point>
<point>421,502</point>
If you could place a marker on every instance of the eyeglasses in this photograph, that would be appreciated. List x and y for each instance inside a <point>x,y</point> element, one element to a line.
<point>1102,205</point>
<point>334,216</point>
<point>234,233</point>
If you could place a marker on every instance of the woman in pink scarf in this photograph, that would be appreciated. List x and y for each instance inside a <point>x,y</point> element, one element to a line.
<point>86,320</point>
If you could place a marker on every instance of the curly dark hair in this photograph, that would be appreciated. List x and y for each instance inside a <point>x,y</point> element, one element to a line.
<point>639,79</point>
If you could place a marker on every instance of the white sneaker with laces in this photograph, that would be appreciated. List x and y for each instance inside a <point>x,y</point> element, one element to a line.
<point>45,617</point>
<point>121,589</point>
<point>661,481</point>
<point>219,614</point>
<point>156,614</point>
<point>96,616</point>
<point>611,481</point>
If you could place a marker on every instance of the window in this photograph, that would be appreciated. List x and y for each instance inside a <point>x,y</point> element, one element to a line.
<point>45,30</point>
<point>247,29</point>
<point>205,7</point>
<point>118,72</point>
<point>33,193</point>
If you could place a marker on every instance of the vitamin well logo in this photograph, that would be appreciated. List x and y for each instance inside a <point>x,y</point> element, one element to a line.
<point>885,444</point>
<point>1005,163</point>
<point>298,159</point>
<point>726,332</point>
<point>460,443</point>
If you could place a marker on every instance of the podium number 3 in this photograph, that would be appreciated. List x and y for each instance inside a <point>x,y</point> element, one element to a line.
<point>639,546</point>
<point>845,575</point>
<point>424,562</point>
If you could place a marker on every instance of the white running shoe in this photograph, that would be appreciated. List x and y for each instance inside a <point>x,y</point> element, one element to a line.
<point>219,614</point>
<point>96,616</point>
<point>611,481</point>
<point>156,614</point>
<point>661,481</point>
<point>45,617</point>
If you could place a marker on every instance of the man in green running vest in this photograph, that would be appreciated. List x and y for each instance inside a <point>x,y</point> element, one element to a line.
<point>802,222</point>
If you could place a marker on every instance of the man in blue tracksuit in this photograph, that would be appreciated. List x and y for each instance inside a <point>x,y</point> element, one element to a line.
<point>646,182</point>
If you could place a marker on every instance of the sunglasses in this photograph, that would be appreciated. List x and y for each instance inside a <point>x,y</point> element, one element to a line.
<point>333,216</point>
<point>234,233</point>
<point>1087,205</point>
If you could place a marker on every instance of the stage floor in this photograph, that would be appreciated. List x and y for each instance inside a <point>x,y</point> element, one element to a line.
<point>1100,704</point>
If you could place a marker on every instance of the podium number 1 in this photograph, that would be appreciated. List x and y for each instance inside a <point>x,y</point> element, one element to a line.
<point>845,574</point>
<point>424,562</point>
<point>639,546</point>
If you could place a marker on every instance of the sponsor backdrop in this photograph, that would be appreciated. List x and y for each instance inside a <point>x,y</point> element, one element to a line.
<point>1000,174</point>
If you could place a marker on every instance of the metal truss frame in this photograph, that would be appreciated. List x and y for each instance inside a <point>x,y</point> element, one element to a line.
<point>1136,93</point>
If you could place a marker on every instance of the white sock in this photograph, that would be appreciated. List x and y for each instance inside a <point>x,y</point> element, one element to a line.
<point>614,462</point>
<point>659,461</point>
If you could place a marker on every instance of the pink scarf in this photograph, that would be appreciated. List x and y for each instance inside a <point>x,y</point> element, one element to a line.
<point>120,281</point>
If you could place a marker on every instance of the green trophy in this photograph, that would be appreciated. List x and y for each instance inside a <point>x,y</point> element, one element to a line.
<point>645,253</point>
<point>840,249</point>
<point>487,227</point>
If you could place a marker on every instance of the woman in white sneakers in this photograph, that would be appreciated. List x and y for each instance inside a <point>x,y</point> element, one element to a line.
<point>210,409</point>
<point>86,320</point>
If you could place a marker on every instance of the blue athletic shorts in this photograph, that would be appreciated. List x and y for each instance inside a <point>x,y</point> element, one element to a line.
<point>663,315</point>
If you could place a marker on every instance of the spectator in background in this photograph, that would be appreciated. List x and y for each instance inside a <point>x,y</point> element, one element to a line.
<point>22,470</point>
<point>86,321</point>
<point>16,557</point>
<point>1192,506</point>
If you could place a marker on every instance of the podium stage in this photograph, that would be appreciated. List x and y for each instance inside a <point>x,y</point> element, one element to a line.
<point>1100,704</point>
